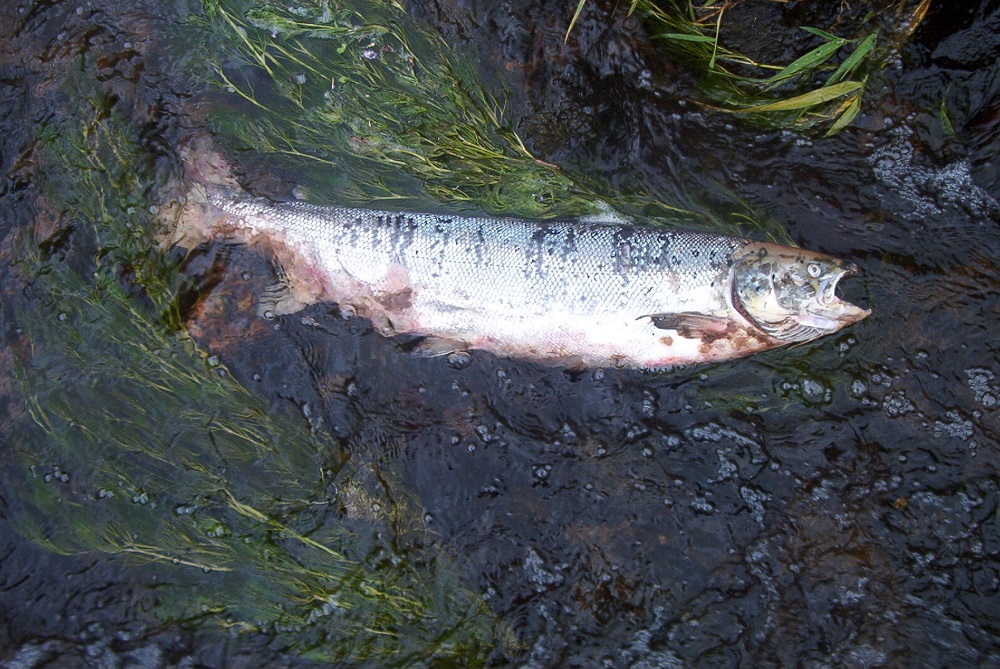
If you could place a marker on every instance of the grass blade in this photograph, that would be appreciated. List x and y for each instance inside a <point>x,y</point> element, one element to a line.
<point>852,61</point>
<point>688,38</point>
<point>715,45</point>
<point>810,99</point>
<point>576,15</point>
<point>847,116</point>
<point>813,59</point>
<point>947,124</point>
<point>820,33</point>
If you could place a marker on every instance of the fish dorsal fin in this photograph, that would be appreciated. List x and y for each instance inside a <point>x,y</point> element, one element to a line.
<point>605,213</point>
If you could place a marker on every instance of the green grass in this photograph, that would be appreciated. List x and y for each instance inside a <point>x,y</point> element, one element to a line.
<point>363,93</point>
<point>364,106</point>
<point>822,88</point>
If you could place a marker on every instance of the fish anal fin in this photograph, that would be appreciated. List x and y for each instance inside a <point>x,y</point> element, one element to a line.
<point>690,325</point>
<point>433,347</point>
<point>454,351</point>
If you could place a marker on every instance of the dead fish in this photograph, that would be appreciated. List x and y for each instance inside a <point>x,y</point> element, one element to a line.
<point>577,294</point>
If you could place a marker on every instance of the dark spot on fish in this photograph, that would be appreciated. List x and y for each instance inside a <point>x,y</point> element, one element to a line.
<point>480,244</point>
<point>667,341</point>
<point>539,234</point>
<point>709,337</point>
<point>569,242</point>
<point>624,249</point>
<point>398,301</point>
<point>741,340</point>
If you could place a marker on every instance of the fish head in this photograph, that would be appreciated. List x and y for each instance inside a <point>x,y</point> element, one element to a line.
<point>790,294</point>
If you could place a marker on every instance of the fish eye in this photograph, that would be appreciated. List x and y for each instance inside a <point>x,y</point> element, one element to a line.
<point>814,269</point>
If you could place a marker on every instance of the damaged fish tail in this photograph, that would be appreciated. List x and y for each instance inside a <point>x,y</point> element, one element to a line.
<point>194,196</point>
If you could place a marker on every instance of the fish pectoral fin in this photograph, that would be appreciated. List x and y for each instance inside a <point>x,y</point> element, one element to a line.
<point>690,325</point>
<point>434,347</point>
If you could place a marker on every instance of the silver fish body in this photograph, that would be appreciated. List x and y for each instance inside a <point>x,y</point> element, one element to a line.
<point>570,293</point>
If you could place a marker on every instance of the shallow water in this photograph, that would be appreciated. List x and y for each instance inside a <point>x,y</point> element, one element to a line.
<point>832,505</point>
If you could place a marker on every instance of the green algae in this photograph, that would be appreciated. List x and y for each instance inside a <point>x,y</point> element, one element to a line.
<point>144,446</point>
<point>364,92</point>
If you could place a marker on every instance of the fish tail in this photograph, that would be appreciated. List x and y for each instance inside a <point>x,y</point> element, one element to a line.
<point>188,216</point>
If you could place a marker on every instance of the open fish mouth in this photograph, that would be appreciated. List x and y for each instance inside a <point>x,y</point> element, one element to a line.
<point>828,289</point>
<point>831,305</point>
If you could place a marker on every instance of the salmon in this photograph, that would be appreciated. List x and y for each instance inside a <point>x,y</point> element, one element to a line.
<point>571,293</point>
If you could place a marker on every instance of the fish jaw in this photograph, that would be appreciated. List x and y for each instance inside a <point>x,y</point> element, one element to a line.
<point>830,312</point>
